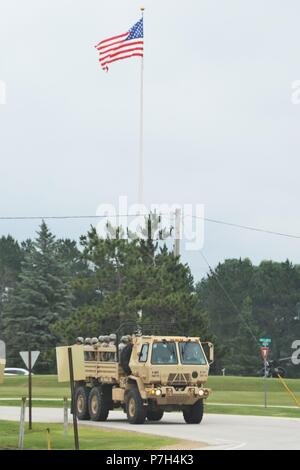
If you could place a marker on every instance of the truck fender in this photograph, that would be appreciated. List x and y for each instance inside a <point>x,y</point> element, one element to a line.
<point>140,386</point>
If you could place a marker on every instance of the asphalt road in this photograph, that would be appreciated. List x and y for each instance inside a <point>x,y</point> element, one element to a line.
<point>218,431</point>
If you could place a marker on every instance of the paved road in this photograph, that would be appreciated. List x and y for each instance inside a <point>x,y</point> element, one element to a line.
<point>219,431</point>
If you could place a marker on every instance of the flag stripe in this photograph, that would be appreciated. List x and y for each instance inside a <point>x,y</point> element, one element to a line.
<point>110,44</point>
<point>113,38</point>
<point>124,44</point>
<point>102,59</point>
<point>120,58</point>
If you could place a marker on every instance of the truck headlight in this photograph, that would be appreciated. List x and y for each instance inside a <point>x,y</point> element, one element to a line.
<point>158,392</point>
<point>201,393</point>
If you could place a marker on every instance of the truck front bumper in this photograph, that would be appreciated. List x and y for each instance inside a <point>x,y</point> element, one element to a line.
<point>168,395</point>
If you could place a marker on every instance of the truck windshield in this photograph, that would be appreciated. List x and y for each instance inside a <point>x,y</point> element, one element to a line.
<point>164,353</point>
<point>191,353</point>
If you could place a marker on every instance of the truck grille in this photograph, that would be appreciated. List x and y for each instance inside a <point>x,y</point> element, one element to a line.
<point>177,379</point>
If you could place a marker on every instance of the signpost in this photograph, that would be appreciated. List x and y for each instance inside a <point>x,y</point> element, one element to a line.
<point>265,342</point>
<point>72,385</point>
<point>70,368</point>
<point>265,353</point>
<point>29,358</point>
<point>2,360</point>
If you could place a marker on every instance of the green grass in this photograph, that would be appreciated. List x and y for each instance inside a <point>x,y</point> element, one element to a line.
<point>42,386</point>
<point>252,411</point>
<point>89,438</point>
<point>35,403</point>
<point>225,390</point>
<point>249,384</point>
<point>250,390</point>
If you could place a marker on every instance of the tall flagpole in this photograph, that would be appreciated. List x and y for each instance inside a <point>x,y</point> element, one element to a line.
<point>141,145</point>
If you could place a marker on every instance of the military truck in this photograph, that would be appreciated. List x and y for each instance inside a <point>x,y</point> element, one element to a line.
<point>151,375</point>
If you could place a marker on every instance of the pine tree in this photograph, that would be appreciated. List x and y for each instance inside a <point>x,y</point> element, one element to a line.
<point>10,265</point>
<point>129,277</point>
<point>41,297</point>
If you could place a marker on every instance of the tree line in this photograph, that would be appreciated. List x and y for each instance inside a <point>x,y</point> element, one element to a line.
<point>53,290</point>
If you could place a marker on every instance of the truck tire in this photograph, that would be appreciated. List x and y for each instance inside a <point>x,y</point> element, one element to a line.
<point>135,409</point>
<point>193,414</point>
<point>98,404</point>
<point>154,415</point>
<point>82,402</point>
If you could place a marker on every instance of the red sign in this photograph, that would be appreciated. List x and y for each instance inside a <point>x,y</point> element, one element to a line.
<point>264,353</point>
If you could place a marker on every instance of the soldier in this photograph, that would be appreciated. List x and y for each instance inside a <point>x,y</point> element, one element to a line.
<point>125,354</point>
<point>101,340</point>
<point>87,355</point>
<point>79,340</point>
<point>105,344</point>
<point>112,344</point>
<point>112,339</point>
<point>123,343</point>
<point>93,354</point>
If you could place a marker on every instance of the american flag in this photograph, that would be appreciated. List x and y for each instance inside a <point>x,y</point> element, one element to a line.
<point>123,46</point>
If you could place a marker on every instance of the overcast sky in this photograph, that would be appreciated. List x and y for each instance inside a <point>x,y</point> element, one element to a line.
<point>220,127</point>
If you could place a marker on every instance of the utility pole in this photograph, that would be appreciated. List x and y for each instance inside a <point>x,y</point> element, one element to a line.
<point>177,232</point>
<point>74,411</point>
<point>30,388</point>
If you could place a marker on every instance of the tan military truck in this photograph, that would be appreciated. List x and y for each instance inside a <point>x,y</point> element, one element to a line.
<point>153,374</point>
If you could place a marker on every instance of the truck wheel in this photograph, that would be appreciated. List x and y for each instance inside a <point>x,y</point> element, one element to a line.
<point>81,402</point>
<point>136,411</point>
<point>193,414</point>
<point>154,415</point>
<point>98,404</point>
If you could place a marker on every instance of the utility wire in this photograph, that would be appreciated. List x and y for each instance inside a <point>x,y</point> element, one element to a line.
<point>70,216</point>
<point>246,227</point>
<point>206,219</point>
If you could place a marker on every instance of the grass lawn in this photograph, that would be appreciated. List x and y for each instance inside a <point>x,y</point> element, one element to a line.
<point>225,390</point>
<point>250,390</point>
<point>90,438</point>
<point>43,386</point>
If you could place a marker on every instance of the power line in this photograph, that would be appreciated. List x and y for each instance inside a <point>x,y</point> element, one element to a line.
<point>246,227</point>
<point>59,217</point>
<point>206,219</point>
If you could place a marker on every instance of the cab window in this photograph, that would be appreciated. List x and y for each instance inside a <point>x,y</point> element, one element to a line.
<point>164,352</point>
<point>191,353</point>
<point>143,356</point>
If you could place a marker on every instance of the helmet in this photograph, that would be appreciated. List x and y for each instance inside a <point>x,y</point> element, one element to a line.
<point>79,340</point>
<point>101,339</point>
<point>106,339</point>
<point>94,340</point>
<point>124,339</point>
<point>113,337</point>
<point>87,341</point>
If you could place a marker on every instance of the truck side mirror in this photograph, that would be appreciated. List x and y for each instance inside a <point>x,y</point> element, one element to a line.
<point>209,351</point>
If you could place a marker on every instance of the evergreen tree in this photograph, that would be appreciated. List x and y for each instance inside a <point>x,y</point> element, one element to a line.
<point>130,277</point>
<point>11,256</point>
<point>41,297</point>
